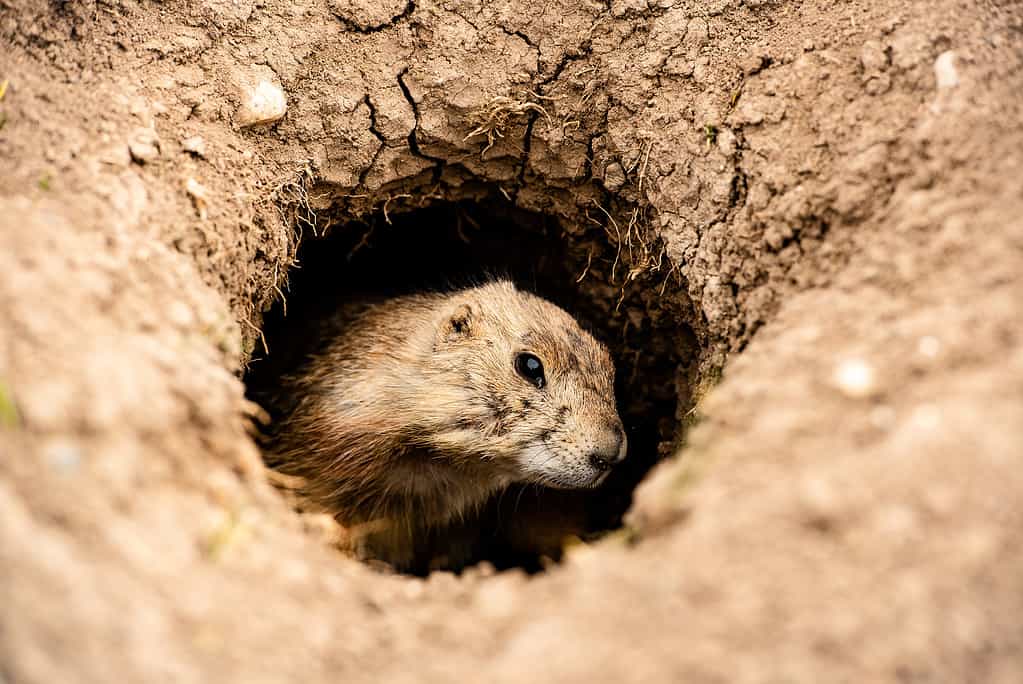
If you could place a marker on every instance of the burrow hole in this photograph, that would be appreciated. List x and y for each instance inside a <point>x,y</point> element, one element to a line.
<point>454,244</point>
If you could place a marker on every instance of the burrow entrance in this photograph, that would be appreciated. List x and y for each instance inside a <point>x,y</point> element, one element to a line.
<point>582,268</point>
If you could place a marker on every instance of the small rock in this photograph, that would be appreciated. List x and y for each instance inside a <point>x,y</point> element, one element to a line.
<point>855,378</point>
<point>755,63</point>
<point>820,499</point>
<point>443,579</point>
<point>144,145</point>
<point>415,589</point>
<point>64,457</point>
<point>199,195</point>
<point>873,56</point>
<point>194,145</point>
<point>726,141</point>
<point>499,597</point>
<point>264,103</point>
<point>929,347</point>
<point>139,107</point>
<point>614,177</point>
<point>945,71</point>
<point>777,236</point>
<point>180,314</point>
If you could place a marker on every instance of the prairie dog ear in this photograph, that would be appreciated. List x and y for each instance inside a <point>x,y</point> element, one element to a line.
<point>461,324</point>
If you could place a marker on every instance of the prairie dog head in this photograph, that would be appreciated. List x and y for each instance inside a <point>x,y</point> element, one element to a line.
<point>512,380</point>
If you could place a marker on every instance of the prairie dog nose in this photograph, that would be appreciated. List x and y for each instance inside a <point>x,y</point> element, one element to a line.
<point>612,448</point>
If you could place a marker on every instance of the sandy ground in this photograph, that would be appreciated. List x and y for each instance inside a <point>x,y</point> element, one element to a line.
<point>822,200</point>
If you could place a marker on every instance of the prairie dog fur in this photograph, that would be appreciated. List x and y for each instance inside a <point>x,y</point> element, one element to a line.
<point>415,410</point>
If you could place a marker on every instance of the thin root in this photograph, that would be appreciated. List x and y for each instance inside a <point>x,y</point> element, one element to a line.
<point>493,119</point>
<point>262,337</point>
<point>589,260</point>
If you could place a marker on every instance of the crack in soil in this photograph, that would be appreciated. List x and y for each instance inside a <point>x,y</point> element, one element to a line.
<point>582,51</point>
<point>413,141</point>
<point>527,144</point>
<point>519,34</point>
<point>377,134</point>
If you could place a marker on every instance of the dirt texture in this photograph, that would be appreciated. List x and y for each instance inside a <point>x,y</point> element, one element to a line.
<point>815,206</point>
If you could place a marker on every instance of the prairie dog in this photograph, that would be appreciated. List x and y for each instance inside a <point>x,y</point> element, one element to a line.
<point>415,410</point>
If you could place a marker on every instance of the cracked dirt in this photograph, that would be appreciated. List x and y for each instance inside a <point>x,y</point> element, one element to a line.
<point>815,207</point>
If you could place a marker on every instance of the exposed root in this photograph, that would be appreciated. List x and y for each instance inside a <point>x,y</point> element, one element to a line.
<point>291,199</point>
<point>635,247</point>
<point>589,261</point>
<point>646,160</point>
<point>277,288</point>
<point>363,241</point>
<point>387,203</point>
<point>259,331</point>
<point>493,119</point>
<point>616,238</point>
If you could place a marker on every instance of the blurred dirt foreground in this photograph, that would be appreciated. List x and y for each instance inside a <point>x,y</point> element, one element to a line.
<point>836,189</point>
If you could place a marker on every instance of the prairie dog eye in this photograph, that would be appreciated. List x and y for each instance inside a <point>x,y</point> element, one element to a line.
<point>531,368</point>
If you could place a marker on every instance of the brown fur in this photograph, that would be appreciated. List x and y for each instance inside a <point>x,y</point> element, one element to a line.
<point>412,414</point>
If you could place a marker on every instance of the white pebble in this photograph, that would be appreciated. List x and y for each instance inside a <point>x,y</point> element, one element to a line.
<point>65,457</point>
<point>180,314</point>
<point>855,378</point>
<point>945,70</point>
<point>263,104</point>
<point>199,194</point>
<point>144,145</point>
<point>194,145</point>
<point>928,347</point>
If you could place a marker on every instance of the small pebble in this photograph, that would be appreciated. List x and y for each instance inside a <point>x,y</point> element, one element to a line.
<point>929,347</point>
<point>144,145</point>
<point>819,497</point>
<point>415,589</point>
<point>873,57</point>
<point>180,314</point>
<point>945,71</point>
<point>64,457</point>
<point>855,378</point>
<point>199,194</point>
<point>194,145</point>
<point>754,63</point>
<point>614,177</point>
<point>262,104</point>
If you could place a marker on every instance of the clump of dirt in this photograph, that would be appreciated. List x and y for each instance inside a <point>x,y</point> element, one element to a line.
<point>798,223</point>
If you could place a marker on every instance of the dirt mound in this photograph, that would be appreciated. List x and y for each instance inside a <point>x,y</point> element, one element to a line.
<point>797,225</point>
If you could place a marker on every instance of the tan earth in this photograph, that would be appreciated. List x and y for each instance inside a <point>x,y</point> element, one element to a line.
<point>801,219</point>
